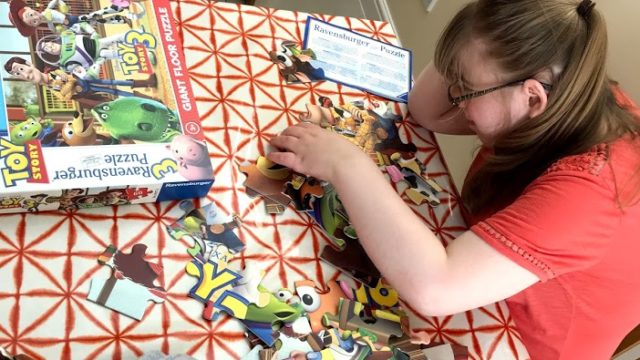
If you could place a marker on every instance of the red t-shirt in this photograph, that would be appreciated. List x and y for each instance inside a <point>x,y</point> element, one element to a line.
<point>568,229</point>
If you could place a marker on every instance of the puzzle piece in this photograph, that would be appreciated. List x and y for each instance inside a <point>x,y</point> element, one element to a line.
<point>369,124</point>
<point>273,311</point>
<point>267,180</point>
<point>325,115</point>
<point>123,296</point>
<point>348,318</point>
<point>301,326</point>
<point>354,262</point>
<point>213,236</point>
<point>213,280</point>
<point>132,266</point>
<point>420,189</point>
<point>288,345</point>
<point>248,287</point>
<point>296,65</point>
<point>131,283</point>
<point>330,214</point>
<point>303,191</point>
<point>261,320</point>
<point>379,296</point>
<point>223,234</point>
<point>316,302</point>
<point>338,346</point>
<point>432,351</point>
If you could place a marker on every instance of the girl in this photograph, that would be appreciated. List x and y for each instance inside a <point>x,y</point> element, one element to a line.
<point>553,196</point>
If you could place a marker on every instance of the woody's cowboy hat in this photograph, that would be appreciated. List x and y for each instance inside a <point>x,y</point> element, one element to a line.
<point>14,16</point>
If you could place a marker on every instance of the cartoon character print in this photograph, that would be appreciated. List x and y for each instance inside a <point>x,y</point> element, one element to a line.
<point>81,132</point>
<point>136,118</point>
<point>296,65</point>
<point>32,129</point>
<point>192,157</point>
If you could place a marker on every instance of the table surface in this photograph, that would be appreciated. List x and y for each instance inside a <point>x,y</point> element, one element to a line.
<point>47,260</point>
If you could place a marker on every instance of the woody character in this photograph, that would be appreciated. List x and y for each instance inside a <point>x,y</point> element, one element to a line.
<point>70,87</point>
<point>32,204</point>
<point>56,16</point>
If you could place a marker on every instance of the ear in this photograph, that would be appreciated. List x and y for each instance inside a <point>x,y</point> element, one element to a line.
<point>536,97</point>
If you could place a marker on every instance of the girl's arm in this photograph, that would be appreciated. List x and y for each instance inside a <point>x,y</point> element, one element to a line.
<point>429,105</point>
<point>434,280</point>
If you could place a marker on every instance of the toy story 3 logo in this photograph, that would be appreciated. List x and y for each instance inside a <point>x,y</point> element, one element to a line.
<point>22,162</point>
<point>10,202</point>
<point>136,52</point>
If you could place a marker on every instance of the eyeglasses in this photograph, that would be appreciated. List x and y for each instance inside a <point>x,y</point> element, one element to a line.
<point>456,92</point>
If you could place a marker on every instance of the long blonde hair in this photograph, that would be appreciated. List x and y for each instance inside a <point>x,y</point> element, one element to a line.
<point>525,37</point>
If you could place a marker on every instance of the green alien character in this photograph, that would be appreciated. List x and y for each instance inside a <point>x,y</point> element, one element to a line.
<point>136,118</point>
<point>32,129</point>
<point>273,311</point>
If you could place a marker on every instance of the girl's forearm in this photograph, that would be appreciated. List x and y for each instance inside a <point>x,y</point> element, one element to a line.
<point>410,257</point>
<point>430,107</point>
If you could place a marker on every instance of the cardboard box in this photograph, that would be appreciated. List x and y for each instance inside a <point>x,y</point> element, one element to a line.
<point>96,107</point>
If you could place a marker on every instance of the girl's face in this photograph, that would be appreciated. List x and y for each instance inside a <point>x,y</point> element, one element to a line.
<point>492,114</point>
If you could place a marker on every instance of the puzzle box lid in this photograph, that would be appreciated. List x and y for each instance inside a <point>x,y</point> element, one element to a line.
<point>97,112</point>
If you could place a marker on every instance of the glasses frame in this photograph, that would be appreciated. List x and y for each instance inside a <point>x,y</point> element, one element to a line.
<point>455,101</point>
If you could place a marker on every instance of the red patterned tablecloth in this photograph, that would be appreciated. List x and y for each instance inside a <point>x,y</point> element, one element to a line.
<point>47,260</point>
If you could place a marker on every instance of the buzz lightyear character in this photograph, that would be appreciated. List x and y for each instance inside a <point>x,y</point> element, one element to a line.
<point>79,50</point>
<point>58,18</point>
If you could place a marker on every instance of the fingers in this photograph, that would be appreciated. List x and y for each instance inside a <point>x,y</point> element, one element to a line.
<point>285,142</point>
<point>299,130</point>
<point>291,145</point>
<point>286,159</point>
<point>292,136</point>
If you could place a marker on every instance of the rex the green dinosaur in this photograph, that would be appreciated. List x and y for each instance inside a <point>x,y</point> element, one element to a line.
<point>137,118</point>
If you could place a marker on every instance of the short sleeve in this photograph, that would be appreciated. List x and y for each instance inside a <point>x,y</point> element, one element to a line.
<point>563,222</point>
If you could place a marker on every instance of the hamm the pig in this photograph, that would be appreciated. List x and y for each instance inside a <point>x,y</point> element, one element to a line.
<point>192,157</point>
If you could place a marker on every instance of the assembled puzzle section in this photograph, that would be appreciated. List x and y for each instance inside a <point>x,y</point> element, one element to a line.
<point>331,320</point>
<point>371,125</point>
<point>95,97</point>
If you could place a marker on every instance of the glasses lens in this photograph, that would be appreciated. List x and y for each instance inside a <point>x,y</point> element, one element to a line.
<point>456,90</point>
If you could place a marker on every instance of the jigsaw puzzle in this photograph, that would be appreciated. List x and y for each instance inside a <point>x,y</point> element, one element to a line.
<point>131,284</point>
<point>369,124</point>
<point>349,318</point>
<point>296,65</point>
<point>421,189</point>
<point>212,233</point>
<point>110,79</point>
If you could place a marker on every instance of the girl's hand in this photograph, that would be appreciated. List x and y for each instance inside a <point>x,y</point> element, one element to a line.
<point>311,150</point>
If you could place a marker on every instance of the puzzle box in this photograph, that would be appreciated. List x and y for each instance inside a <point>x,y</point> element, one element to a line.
<point>96,107</point>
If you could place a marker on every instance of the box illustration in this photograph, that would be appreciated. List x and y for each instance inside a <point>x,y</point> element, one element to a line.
<point>95,107</point>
